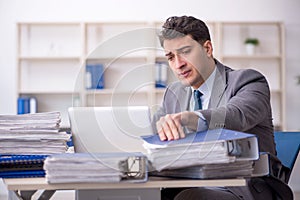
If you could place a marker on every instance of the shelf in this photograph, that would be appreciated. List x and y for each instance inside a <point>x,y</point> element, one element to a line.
<point>251,23</point>
<point>45,58</point>
<point>104,39</point>
<point>275,91</point>
<point>268,58</point>
<point>261,57</point>
<point>113,59</point>
<point>45,92</point>
<point>51,60</point>
<point>37,23</point>
<point>112,91</point>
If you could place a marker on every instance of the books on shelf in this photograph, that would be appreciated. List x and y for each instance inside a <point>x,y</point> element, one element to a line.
<point>94,76</point>
<point>202,152</point>
<point>22,166</point>
<point>161,74</point>
<point>96,167</point>
<point>27,105</point>
<point>32,134</point>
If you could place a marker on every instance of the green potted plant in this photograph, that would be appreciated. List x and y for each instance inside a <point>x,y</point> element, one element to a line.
<point>251,44</point>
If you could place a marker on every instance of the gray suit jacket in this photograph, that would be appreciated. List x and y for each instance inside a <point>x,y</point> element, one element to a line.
<point>240,101</point>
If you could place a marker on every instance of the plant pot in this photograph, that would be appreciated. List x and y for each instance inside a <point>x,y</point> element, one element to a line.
<point>250,49</point>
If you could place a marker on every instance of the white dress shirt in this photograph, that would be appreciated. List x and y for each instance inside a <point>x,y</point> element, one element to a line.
<point>206,90</point>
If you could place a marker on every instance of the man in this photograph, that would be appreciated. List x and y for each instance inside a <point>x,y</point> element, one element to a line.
<point>232,99</point>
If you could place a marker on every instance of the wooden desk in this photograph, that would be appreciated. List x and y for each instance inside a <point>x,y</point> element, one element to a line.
<point>154,183</point>
<point>41,184</point>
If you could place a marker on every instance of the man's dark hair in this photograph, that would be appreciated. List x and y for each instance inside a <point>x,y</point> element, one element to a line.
<point>175,27</point>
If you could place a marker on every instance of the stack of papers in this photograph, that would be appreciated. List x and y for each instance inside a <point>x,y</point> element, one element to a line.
<point>96,167</point>
<point>208,154</point>
<point>226,170</point>
<point>32,134</point>
<point>174,157</point>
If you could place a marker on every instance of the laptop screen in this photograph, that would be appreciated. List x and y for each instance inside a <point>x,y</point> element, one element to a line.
<point>109,129</point>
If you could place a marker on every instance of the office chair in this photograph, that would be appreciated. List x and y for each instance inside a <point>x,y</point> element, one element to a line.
<point>287,147</point>
<point>281,166</point>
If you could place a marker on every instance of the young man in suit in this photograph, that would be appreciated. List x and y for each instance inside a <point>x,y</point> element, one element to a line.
<point>232,99</point>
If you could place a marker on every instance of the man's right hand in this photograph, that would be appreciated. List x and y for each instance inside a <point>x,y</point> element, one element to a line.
<point>171,126</point>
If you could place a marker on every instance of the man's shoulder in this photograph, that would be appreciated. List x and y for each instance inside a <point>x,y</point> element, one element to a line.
<point>245,73</point>
<point>238,72</point>
<point>238,75</point>
<point>241,77</point>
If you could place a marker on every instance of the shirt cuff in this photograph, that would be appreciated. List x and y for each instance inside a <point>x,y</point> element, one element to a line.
<point>202,125</point>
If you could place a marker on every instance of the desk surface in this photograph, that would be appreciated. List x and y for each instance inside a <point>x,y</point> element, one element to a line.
<point>153,182</point>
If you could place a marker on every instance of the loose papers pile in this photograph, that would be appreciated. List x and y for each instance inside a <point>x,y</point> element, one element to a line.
<point>32,134</point>
<point>208,154</point>
<point>96,167</point>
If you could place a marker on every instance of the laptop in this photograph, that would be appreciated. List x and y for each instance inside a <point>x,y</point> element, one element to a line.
<point>109,129</point>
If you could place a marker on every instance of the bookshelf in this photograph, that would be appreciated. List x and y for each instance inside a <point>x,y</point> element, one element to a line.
<point>48,61</point>
<point>268,58</point>
<point>51,60</point>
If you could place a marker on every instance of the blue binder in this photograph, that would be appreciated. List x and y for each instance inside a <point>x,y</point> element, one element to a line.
<point>23,105</point>
<point>95,73</point>
<point>23,174</point>
<point>161,75</point>
<point>20,166</point>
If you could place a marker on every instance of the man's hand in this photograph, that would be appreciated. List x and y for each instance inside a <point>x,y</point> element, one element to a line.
<point>170,126</point>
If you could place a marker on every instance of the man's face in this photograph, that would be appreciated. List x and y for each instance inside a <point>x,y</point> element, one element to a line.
<point>189,60</point>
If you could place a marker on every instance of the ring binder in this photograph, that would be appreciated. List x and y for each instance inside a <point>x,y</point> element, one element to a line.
<point>21,166</point>
<point>206,147</point>
<point>98,167</point>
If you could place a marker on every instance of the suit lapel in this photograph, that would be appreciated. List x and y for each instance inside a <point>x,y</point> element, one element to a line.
<point>220,84</point>
<point>185,96</point>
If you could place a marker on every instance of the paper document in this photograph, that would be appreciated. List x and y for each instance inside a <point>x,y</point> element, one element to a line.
<point>202,148</point>
<point>96,167</point>
<point>36,133</point>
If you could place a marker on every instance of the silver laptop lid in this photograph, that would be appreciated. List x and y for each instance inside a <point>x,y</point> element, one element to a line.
<point>109,129</point>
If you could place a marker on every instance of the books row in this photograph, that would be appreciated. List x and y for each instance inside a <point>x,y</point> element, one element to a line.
<point>27,105</point>
<point>95,74</point>
<point>161,74</point>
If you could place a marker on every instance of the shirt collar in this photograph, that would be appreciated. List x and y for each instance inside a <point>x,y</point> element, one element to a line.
<point>207,86</point>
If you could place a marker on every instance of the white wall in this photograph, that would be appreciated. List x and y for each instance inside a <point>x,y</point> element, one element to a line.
<point>12,11</point>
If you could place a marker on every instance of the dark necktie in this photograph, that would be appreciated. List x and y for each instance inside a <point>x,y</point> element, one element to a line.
<point>198,103</point>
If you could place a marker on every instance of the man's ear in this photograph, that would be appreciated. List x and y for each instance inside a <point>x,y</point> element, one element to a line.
<point>208,47</point>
